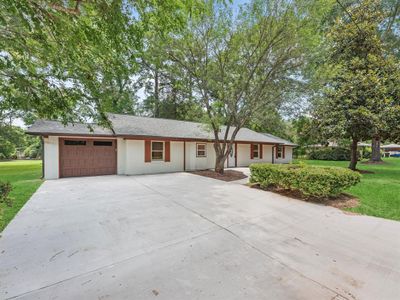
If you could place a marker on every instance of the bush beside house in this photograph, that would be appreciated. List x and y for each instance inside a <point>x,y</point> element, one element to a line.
<point>335,154</point>
<point>311,181</point>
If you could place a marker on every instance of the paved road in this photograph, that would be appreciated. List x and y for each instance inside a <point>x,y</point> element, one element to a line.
<point>182,236</point>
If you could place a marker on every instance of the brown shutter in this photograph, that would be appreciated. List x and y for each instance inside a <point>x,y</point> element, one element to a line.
<point>261,151</point>
<point>167,151</point>
<point>276,151</point>
<point>251,151</point>
<point>147,151</point>
<point>283,152</point>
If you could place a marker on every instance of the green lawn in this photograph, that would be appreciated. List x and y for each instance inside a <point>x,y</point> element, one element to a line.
<point>379,193</point>
<point>24,177</point>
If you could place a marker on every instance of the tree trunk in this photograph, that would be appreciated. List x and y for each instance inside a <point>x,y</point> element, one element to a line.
<point>353,159</point>
<point>156,95</point>
<point>376,149</point>
<point>219,164</point>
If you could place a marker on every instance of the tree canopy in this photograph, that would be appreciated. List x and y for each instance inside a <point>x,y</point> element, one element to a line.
<point>360,96</point>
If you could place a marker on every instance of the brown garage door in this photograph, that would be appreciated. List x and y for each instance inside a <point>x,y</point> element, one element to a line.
<point>87,157</point>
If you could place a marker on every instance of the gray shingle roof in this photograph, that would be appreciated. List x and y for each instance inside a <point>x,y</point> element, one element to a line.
<point>279,140</point>
<point>127,125</point>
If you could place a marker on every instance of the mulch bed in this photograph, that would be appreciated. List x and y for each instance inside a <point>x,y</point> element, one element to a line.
<point>365,172</point>
<point>229,175</point>
<point>370,162</point>
<point>342,201</point>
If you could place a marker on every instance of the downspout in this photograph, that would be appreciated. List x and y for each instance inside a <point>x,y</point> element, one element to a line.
<point>42,144</point>
<point>273,156</point>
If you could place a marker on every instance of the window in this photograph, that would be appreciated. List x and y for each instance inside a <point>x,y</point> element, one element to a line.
<point>157,150</point>
<point>279,150</point>
<point>102,143</point>
<point>256,151</point>
<point>201,150</point>
<point>74,143</point>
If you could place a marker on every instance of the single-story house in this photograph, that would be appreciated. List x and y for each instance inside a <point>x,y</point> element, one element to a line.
<point>142,145</point>
<point>391,150</point>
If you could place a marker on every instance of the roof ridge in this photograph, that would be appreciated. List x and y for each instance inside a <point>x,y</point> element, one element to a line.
<point>156,118</point>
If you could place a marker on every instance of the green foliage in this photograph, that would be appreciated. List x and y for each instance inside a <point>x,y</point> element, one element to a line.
<point>73,60</point>
<point>13,138</point>
<point>246,64</point>
<point>334,154</point>
<point>361,98</point>
<point>5,189</point>
<point>309,180</point>
<point>366,153</point>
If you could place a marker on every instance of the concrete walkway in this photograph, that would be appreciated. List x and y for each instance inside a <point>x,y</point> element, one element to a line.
<point>182,236</point>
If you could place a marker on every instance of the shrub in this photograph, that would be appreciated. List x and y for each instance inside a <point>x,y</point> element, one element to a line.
<point>311,181</point>
<point>32,152</point>
<point>5,189</point>
<point>330,154</point>
<point>366,153</point>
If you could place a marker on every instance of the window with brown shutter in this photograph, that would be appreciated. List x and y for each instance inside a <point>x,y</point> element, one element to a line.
<point>279,152</point>
<point>157,150</point>
<point>255,151</point>
<point>261,151</point>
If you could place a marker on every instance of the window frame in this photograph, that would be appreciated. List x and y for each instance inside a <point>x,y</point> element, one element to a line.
<point>279,151</point>
<point>205,149</point>
<point>69,142</point>
<point>158,151</point>
<point>256,151</point>
<point>99,143</point>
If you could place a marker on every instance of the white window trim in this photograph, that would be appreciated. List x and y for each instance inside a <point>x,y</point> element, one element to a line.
<point>279,153</point>
<point>163,151</point>
<point>197,150</point>
<point>258,151</point>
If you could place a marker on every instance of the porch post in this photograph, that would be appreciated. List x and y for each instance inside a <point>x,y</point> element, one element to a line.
<point>184,155</point>
<point>235,154</point>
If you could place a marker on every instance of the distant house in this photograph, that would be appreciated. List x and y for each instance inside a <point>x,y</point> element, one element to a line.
<point>336,145</point>
<point>140,145</point>
<point>391,150</point>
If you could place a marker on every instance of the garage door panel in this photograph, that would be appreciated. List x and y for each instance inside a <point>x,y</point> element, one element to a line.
<point>80,157</point>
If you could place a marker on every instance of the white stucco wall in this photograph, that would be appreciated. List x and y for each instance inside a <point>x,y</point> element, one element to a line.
<point>199,163</point>
<point>244,159</point>
<point>51,157</point>
<point>121,156</point>
<point>134,159</point>
<point>288,156</point>
<point>130,157</point>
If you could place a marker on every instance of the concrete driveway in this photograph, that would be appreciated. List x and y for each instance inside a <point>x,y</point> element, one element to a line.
<point>182,236</point>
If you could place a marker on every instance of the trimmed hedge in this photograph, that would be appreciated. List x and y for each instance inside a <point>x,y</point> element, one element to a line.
<point>311,181</point>
<point>330,154</point>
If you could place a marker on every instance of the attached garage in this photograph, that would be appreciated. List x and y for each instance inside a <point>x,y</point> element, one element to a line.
<point>87,157</point>
<point>142,145</point>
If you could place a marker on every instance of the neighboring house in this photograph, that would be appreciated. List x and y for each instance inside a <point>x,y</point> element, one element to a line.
<point>336,145</point>
<point>391,150</point>
<point>140,145</point>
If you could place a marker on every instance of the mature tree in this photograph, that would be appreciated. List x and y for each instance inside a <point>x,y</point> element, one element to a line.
<point>360,90</point>
<point>242,64</point>
<point>74,60</point>
<point>168,92</point>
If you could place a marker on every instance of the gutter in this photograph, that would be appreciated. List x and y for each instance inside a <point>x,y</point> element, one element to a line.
<point>42,144</point>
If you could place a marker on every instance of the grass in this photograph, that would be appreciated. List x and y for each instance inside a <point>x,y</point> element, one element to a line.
<point>24,177</point>
<point>379,193</point>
